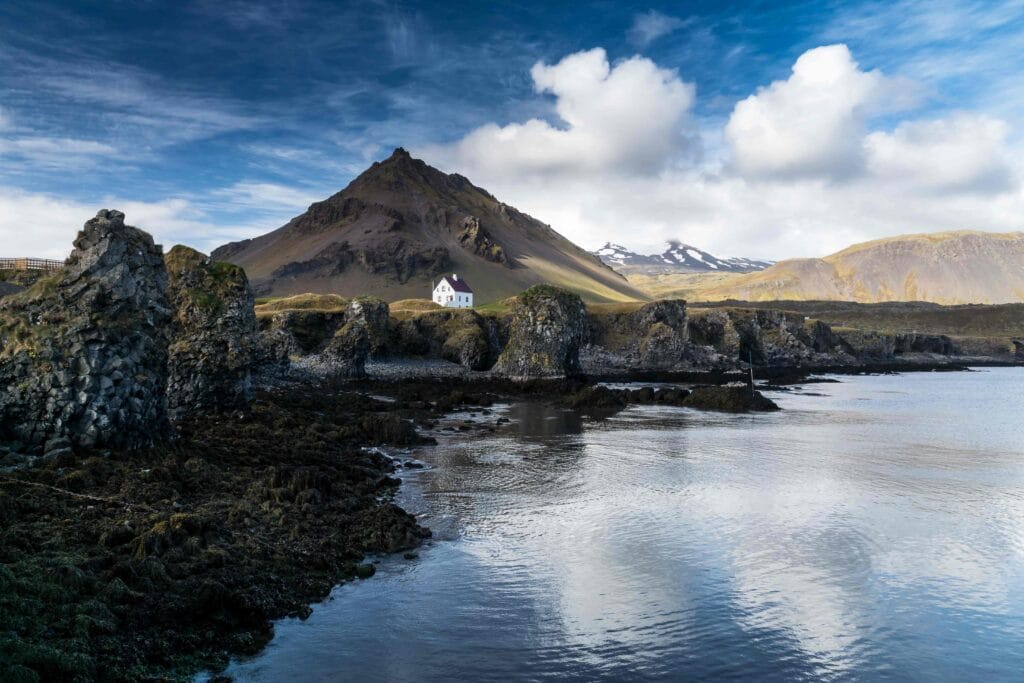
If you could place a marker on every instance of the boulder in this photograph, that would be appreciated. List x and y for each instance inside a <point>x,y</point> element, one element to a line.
<point>549,325</point>
<point>213,341</point>
<point>1018,349</point>
<point>83,352</point>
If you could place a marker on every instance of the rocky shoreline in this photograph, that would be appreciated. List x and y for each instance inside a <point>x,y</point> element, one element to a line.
<point>179,467</point>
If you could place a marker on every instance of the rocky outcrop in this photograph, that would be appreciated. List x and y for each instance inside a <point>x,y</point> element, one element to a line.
<point>548,328</point>
<point>213,347</point>
<point>348,350</point>
<point>364,329</point>
<point>881,347</point>
<point>84,351</point>
<point>374,315</point>
<point>475,239</point>
<point>729,399</point>
<point>653,337</point>
<point>1018,349</point>
<point>726,338</point>
<point>461,336</point>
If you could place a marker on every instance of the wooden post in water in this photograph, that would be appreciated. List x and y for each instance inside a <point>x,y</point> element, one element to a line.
<point>750,356</point>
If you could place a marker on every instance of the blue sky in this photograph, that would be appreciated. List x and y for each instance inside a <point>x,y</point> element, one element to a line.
<point>208,121</point>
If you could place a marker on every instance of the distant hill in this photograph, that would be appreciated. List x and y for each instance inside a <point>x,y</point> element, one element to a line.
<point>678,257</point>
<point>403,224</point>
<point>958,267</point>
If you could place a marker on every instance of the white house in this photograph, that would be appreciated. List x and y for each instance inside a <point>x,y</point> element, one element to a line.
<point>452,292</point>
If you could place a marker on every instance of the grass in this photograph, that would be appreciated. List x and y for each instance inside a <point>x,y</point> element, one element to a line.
<point>323,303</point>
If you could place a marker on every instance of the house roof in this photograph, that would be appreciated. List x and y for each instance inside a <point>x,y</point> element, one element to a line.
<point>457,285</point>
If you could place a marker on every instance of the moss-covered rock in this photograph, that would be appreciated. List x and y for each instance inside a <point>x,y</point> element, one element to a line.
<point>459,335</point>
<point>548,328</point>
<point>213,346</point>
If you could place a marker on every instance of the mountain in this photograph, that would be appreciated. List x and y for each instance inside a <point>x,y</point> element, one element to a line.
<point>678,257</point>
<point>401,225</point>
<point>958,267</point>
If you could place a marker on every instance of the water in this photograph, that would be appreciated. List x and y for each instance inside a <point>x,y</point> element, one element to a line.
<point>875,532</point>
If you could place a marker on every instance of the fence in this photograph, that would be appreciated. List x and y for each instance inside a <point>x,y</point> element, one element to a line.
<point>29,264</point>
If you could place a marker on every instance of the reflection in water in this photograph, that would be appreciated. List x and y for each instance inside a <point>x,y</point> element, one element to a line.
<point>873,533</point>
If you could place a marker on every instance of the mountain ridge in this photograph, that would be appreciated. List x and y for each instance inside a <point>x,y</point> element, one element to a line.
<point>679,257</point>
<point>951,267</point>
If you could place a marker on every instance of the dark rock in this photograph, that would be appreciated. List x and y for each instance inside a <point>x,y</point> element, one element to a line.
<point>365,570</point>
<point>729,399</point>
<point>549,326</point>
<point>598,399</point>
<point>84,350</point>
<point>213,346</point>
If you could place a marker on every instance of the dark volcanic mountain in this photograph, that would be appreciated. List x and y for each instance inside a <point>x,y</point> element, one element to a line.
<point>678,257</point>
<point>403,224</point>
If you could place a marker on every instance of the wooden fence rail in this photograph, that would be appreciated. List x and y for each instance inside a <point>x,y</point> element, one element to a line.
<point>29,264</point>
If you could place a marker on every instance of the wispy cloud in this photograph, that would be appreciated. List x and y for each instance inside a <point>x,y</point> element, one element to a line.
<point>130,102</point>
<point>651,25</point>
<point>54,153</point>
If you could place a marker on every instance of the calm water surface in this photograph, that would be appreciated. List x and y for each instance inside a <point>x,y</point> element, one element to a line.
<point>875,532</point>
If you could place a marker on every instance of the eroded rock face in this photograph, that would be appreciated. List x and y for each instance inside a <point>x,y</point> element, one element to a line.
<point>365,329</point>
<point>653,337</point>
<point>83,353</point>
<point>461,336</point>
<point>214,345</point>
<point>1018,348</point>
<point>374,314</point>
<point>548,328</point>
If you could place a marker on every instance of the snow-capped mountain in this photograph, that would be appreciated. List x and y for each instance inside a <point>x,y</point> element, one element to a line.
<point>680,257</point>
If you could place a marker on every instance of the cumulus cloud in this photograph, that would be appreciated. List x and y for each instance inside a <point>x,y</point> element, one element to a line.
<point>650,25</point>
<point>962,153</point>
<point>810,165</point>
<point>623,119</point>
<point>811,124</point>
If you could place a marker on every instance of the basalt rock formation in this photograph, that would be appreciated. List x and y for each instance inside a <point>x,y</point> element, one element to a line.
<point>83,352</point>
<point>213,346</point>
<point>548,328</point>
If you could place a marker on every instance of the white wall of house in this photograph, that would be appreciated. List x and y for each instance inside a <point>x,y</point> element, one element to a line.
<point>446,296</point>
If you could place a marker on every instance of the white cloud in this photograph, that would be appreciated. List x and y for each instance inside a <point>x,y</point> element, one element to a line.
<point>803,174</point>
<point>624,119</point>
<point>268,196</point>
<point>811,124</point>
<point>965,152</point>
<point>44,226</point>
<point>651,25</point>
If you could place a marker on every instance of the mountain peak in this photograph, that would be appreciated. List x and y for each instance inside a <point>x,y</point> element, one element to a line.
<point>401,224</point>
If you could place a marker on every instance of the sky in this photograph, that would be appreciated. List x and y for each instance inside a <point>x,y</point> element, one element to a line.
<point>758,129</point>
